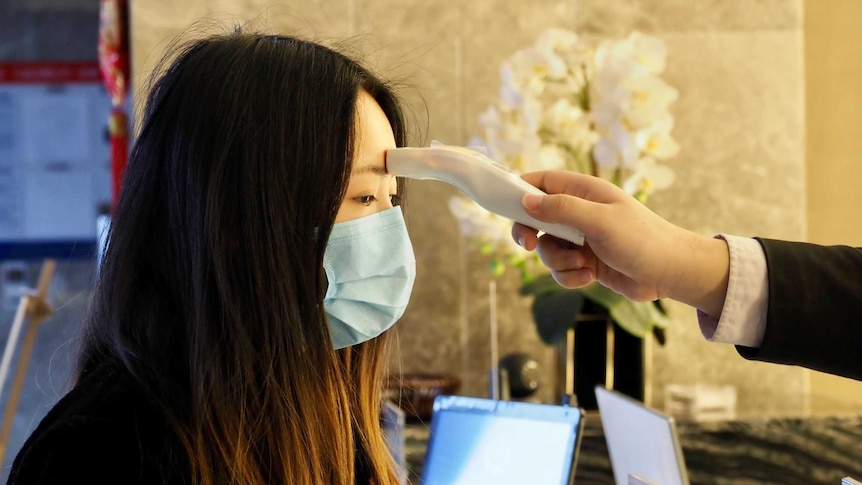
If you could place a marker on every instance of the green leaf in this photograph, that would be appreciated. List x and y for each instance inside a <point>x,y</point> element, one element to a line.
<point>637,318</point>
<point>602,295</point>
<point>541,285</point>
<point>496,267</point>
<point>556,312</point>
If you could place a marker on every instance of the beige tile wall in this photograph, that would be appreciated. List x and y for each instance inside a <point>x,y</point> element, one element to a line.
<point>833,65</point>
<point>736,63</point>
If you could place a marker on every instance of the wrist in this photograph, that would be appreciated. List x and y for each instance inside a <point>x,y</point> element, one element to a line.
<point>702,273</point>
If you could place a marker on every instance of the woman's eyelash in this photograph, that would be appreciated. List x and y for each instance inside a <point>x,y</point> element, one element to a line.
<point>365,199</point>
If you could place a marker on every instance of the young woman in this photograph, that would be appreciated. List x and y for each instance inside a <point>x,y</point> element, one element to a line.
<point>238,329</point>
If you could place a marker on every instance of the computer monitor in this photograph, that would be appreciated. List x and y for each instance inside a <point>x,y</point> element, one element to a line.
<point>475,441</point>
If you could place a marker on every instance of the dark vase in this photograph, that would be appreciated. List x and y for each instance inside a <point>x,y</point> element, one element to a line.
<point>591,348</point>
<point>596,336</point>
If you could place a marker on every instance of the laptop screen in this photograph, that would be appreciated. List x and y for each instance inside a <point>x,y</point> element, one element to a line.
<point>476,441</point>
<point>641,441</point>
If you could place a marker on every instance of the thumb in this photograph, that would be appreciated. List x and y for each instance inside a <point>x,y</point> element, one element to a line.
<point>560,208</point>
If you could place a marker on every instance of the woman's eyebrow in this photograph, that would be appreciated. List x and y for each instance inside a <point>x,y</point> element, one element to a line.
<point>372,168</point>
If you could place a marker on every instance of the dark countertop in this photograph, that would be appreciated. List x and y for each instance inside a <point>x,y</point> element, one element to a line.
<point>786,451</point>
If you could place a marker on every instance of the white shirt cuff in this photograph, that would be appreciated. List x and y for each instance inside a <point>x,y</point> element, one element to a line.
<point>743,317</point>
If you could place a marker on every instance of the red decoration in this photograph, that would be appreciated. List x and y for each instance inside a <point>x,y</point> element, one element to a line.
<point>114,64</point>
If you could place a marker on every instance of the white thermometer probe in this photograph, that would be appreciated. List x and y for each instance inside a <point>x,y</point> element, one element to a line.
<point>491,185</point>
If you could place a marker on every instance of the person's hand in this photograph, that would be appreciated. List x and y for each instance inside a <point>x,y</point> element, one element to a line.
<point>628,248</point>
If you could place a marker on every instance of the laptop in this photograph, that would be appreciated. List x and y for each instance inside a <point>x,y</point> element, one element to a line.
<point>641,441</point>
<point>475,441</point>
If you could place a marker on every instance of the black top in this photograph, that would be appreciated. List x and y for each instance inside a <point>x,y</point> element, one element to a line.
<point>103,431</point>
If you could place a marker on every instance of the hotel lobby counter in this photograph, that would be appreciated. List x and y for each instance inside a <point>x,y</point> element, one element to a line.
<point>786,451</point>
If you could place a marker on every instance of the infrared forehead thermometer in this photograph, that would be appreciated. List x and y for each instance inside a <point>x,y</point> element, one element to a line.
<point>491,185</point>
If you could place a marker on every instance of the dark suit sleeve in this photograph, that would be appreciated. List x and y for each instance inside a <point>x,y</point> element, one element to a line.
<point>814,316</point>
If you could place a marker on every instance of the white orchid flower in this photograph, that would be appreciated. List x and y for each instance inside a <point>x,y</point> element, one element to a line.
<point>647,177</point>
<point>491,121</point>
<point>510,92</point>
<point>529,157</point>
<point>611,53</point>
<point>651,52</point>
<point>616,149</point>
<point>605,113</point>
<point>531,115</point>
<point>558,40</point>
<point>475,222</point>
<point>650,99</point>
<point>615,62</point>
<point>530,69</point>
<point>656,140</point>
<point>551,157</point>
<point>563,116</point>
<point>551,48</point>
<point>567,104</point>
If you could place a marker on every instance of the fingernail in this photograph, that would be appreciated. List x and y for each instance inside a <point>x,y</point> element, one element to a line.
<point>531,201</point>
<point>521,241</point>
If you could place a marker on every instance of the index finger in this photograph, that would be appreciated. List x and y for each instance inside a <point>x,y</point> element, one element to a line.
<point>579,185</point>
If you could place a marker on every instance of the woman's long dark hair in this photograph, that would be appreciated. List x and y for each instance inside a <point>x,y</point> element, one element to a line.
<point>211,290</point>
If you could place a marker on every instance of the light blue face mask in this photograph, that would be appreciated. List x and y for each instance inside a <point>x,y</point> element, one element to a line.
<point>370,266</point>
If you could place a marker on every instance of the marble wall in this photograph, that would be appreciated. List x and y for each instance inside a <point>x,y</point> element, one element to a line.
<point>737,65</point>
